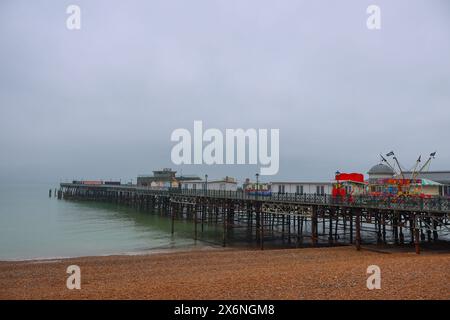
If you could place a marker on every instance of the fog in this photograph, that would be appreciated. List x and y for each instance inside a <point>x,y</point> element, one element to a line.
<point>101,102</point>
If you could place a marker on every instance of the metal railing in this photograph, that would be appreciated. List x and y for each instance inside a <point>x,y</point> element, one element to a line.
<point>440,204</point>
<point>434,204</point>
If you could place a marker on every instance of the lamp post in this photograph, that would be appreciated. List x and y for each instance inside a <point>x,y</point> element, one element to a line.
<point>206,184</point>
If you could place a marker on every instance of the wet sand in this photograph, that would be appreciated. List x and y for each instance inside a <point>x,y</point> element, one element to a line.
<point>316,273</point>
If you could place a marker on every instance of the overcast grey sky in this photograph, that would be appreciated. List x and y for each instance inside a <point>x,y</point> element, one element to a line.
<point>102,102</point>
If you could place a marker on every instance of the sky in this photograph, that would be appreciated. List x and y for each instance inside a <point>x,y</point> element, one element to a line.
<point>101,102</point>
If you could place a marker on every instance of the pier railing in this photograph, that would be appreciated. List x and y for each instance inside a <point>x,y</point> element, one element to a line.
<point>439,204</point>
<point>434,204</point>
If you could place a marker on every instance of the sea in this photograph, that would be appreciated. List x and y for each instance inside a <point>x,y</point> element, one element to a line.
<point>36,226</point>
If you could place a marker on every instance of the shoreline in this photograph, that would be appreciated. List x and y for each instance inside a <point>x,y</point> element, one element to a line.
<point>228,273</point>
<point>147,252</point>
<point>442,248</point>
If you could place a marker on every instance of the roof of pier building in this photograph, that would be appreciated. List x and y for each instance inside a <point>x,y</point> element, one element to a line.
<point>164,175</point>
<point>381,169</point>
<point>442,177</point>
<point>223,180</point>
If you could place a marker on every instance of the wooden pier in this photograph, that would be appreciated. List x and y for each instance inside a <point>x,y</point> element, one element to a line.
<point>290,218</point>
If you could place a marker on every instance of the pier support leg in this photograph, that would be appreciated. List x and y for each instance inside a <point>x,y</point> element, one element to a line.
<point>323,224</point>
<point>358,230</point>
<point>330,228</point>
<point>416,237</point>
<point>336,225</point>
<point>301,229</point>
<point>344,222</point>
<point>314,226</point>
<point>203,216</point>
<point>195,224</point>
<point>428,230</point>
<point>401,236</point>
<point>378,215</point>
<point>261,226</point>
<point>224,235</point>
<point>351,227</point>
<point>435,233</point>
<point>412,228</point>
<point>173,222</point>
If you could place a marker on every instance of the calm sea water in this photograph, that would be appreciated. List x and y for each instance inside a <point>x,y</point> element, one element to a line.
<point>32,225</point>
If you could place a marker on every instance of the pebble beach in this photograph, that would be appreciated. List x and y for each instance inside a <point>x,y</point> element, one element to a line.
<point>297,274</point>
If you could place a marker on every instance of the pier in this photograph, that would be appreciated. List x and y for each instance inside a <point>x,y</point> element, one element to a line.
<point>293,219</point>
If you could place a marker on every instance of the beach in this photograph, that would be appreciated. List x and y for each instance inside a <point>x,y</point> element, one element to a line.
<point>298,274</point>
